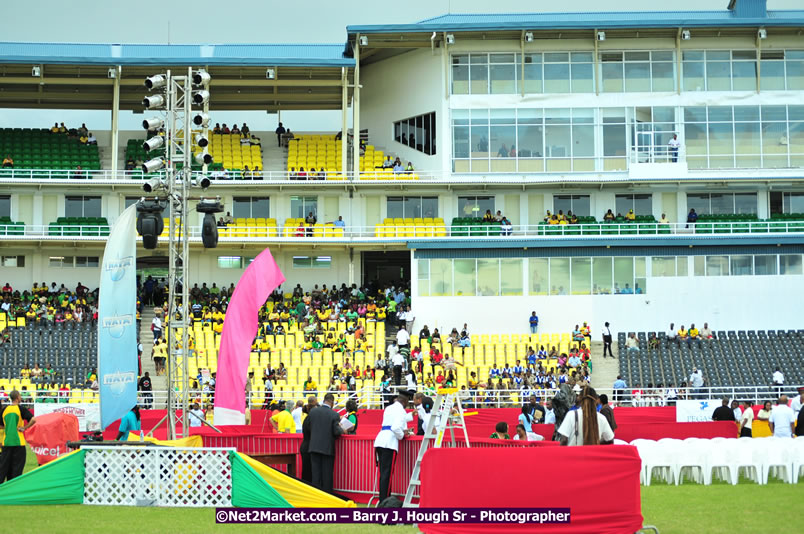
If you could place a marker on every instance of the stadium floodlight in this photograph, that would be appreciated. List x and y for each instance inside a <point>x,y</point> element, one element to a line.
<point>363,40</point>
<point>203,158</point>
<point>153,165</point>
<point>205,182</point>
<point>686,35</point>
<point>601,36</point>
<point>201,140</point>
<point>762,33</point>
<point>149,222</point>
<point>201,77</point>
<point>450,39</point>
<point>209,229</point>
<point>155,82</point>
<point>153,143</point>
<point>153,124</point>
<point>270,74</point>
<point>153,101</point>
<point>528,37</point>
<point>154,184</point>
<point>200,97</point>
<point>201,119</point>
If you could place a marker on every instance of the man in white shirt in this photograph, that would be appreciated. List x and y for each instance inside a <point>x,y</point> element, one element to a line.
<point>398,362</point>
<point>671,332</point>
<point>782,420</point>
<point>386,444</point>
<point>549,414</point>
<point>297,416</point>
<point>197,416</point>
<point>673,145</point>
<point>797,402</point>
<point>409,319</point>
<point>696,382</point>
<point>402,338</point>
<point>778,380</point>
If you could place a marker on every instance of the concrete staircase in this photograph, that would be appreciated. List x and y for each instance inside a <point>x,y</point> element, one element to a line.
<point>604,370</point>
<point>158,383</point>
<point>274,158</point>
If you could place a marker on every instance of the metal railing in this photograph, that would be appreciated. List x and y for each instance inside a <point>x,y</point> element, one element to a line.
<point>405,232</point>
<point>657,154</point>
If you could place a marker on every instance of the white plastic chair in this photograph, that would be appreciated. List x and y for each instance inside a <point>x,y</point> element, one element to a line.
<point>719,460</point>
<point>692,455</point>
<point>739,453</point>
<point>773,453</point>
<point>797,453</point>
<point>662,455</point>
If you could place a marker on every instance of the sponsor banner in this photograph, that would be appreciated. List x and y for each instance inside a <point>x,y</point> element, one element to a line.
<point>88,415</point>
<point>117,321</point>
<point>695,411</point>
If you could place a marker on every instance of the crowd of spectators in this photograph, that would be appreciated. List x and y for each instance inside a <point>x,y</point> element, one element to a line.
<point>45,305</point>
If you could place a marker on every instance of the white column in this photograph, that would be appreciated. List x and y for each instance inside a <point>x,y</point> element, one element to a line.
<point>344,110</point>
<point>38,209</point>
<point>115,119</point>
<point>356,111</point>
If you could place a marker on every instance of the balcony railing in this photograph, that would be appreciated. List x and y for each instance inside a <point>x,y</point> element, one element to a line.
<point>407,232</point>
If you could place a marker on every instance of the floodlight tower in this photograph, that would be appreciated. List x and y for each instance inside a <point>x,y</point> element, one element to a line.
<point>177,95</point>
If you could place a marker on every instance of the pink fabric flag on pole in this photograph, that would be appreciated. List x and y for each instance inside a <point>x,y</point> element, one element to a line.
<point>239,329</point>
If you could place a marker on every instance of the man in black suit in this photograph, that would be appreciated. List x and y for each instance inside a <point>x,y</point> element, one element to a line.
<point>304,450</point>
<point>723,412</point>
<point>325,426</point>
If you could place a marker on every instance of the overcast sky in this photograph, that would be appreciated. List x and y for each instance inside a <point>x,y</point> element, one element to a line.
<point>258,21</point>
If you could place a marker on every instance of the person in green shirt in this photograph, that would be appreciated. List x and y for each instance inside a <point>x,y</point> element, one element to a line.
<point>351,411</point>
<point>351,316</point>
<point>317,345</point>
<point>500,431</point>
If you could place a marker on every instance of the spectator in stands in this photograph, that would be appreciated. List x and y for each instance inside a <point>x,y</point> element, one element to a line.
<point>289,135</point>
<point>782,419</point>
<point>79,173</point>
<point>682,334</point>
<point>225,129</point>
<point>92,140</point>
<point>608,216</point>
<point>671,332</point>
<point>280,130</point>
<point>778,381</point>
<point>697,383</point>
<point>397,168</point>
<point>664,219</point>
<point>723,412</point>
<point>83,139</point>
<point>693,335</point>
<point>706,332</point>
<point>673,145</point>
<point>55,128</point>
<point>388,163</point>
<point>692,217</point>
<point>765,412</point>
<point>586,426</point>
<point>235,130</point>
<point>245,130</point>
<point>409,168</point>
<point>630,216</point>
<point>217,129</point>
<point>130,165</point>
<point>746,419</point>
<point>340,222</point>
<point>62,128</point>
<point>283,421</point>
<point>488,216</point>
<point>506,227</point>
<point>500,431</point>
<point>8,162</point>
<point>632,343</point>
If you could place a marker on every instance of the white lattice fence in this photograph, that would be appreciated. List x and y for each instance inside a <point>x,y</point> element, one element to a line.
<point>157,476</point>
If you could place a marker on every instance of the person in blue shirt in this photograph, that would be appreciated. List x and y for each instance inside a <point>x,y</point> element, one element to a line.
<point>619,387</point>
<point>534,322</point>
<point>627,290</point>
<point>129,423</point>
<point>526,418</point>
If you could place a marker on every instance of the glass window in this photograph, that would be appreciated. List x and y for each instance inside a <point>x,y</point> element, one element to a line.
<point>82,206</point>
<point>577,204</point>
<point>441,278</point>
<point>539,276</point>
<point>86,261</point>
<point>717,266</point>
<point>311,262</point>
<point>236,262</point>
<point>488,277</point>
<point>581,270</point>
<point>765,265</point>
<point>300,207</point>
<point>786,202</point>
<point>478,74</point>
<point>790,264</point>
<point>417,132</point>
<point>663,266</point>
<point>682,266</point>
<point>460,74</point>
<point>12,261</point>
<point>465,273</point>
<point>412,207</point>
<point>641,204</point>
<point>556,72</point>
<point>251,208</point>
<point>624,275</point>
<point>602,276</point>
<point>511,277</point>
<point>559,276</point>
<point>5,206</point>
<point>423,268</point>
<point>742,265</point>
<point>533,73</point>
<point>476,206</point>
<point>60,261</point>
<point>502,73</point>
<point>640,278</point>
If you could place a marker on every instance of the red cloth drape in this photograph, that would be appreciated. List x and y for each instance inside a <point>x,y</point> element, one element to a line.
<point>599,484</point>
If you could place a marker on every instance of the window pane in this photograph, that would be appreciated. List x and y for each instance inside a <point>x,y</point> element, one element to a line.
<point>637,77</point>
<point>772,76</point>
<point>640,279</point>
<point>764,265</point>
<point>556,78</point>
<point>5,205</point>
<point>236,262</point>
<point>694,76</point>
<point>533,73</point>
<point>580,205</point>
<point>624,275</point>
<point>583,141</point>
<point>790,264</point>
<point>479,79</point>
<point>539,276</point>
<point>441,278</point>
<point>503,138</point>
<point>559,276</point>
<point>745,203</point>
<point>717,266</point>
<point>460,74</point>
<point>488,277</point>
<point>742,265</point>
<point>662,75</point>
<point>429,207</point>
<point>601,272</point>
<point>424,277</point>
<point>395,207</point>
<point>682,266</point>
<point>718,76</point>
<point>511,277</point>
<point>661,267</point>
<point>722,204</point>
<point>698,202</point>
<point>530,141</point>
<point>582,78</point>
<point>581,270</point>
<point>744,76</point>
<point>465,277</point>
<point>612,77</point>
<point>699,265</point>
<point>502,79</point>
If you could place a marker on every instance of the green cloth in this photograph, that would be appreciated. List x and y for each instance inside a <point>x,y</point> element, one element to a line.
<point>58,482</point>
<point>250,490</point>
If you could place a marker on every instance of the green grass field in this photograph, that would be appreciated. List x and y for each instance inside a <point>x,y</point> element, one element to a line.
<point>689,508</point>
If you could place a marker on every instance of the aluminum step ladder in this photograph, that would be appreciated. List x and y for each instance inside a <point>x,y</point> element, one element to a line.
<point>442,418</point>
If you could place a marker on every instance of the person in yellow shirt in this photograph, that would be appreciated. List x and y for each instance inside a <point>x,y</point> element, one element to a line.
<point>283,421</point>
<point>553,220</point>
<point>310,385</point>
<point>630,216</point>
<point>323,314</point>
<point>693,335</point>
<point>83,139</point>
<point>217,327</point>
<point>8,162</point>
<point>55,128</point>
<point>381,314</point>
<point>682,334</point>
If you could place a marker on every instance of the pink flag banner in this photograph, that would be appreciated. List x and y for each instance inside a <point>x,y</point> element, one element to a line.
<point>239,328</point>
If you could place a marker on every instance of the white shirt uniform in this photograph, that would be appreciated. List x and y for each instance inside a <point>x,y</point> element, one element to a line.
<point>402,337</point>
<point>394,423</point>
<point>297,418</point>
<point>778,378</point>
<point>782,417</point>
<point>392,351</point>
<point>796,405</point>
<point>423,415</point>
<point>397,359</point>
<point>549,417</point>
<point>567,428</point>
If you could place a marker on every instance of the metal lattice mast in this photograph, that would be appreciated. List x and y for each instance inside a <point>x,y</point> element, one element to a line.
<point>179,149</point>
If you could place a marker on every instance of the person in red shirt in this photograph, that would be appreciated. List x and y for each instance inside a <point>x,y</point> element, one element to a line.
<point>435,358</point>
<point>440,378</point>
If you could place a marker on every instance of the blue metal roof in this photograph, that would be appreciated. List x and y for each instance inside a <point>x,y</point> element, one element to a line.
<point>586,20</point>
<point>272,55</point>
